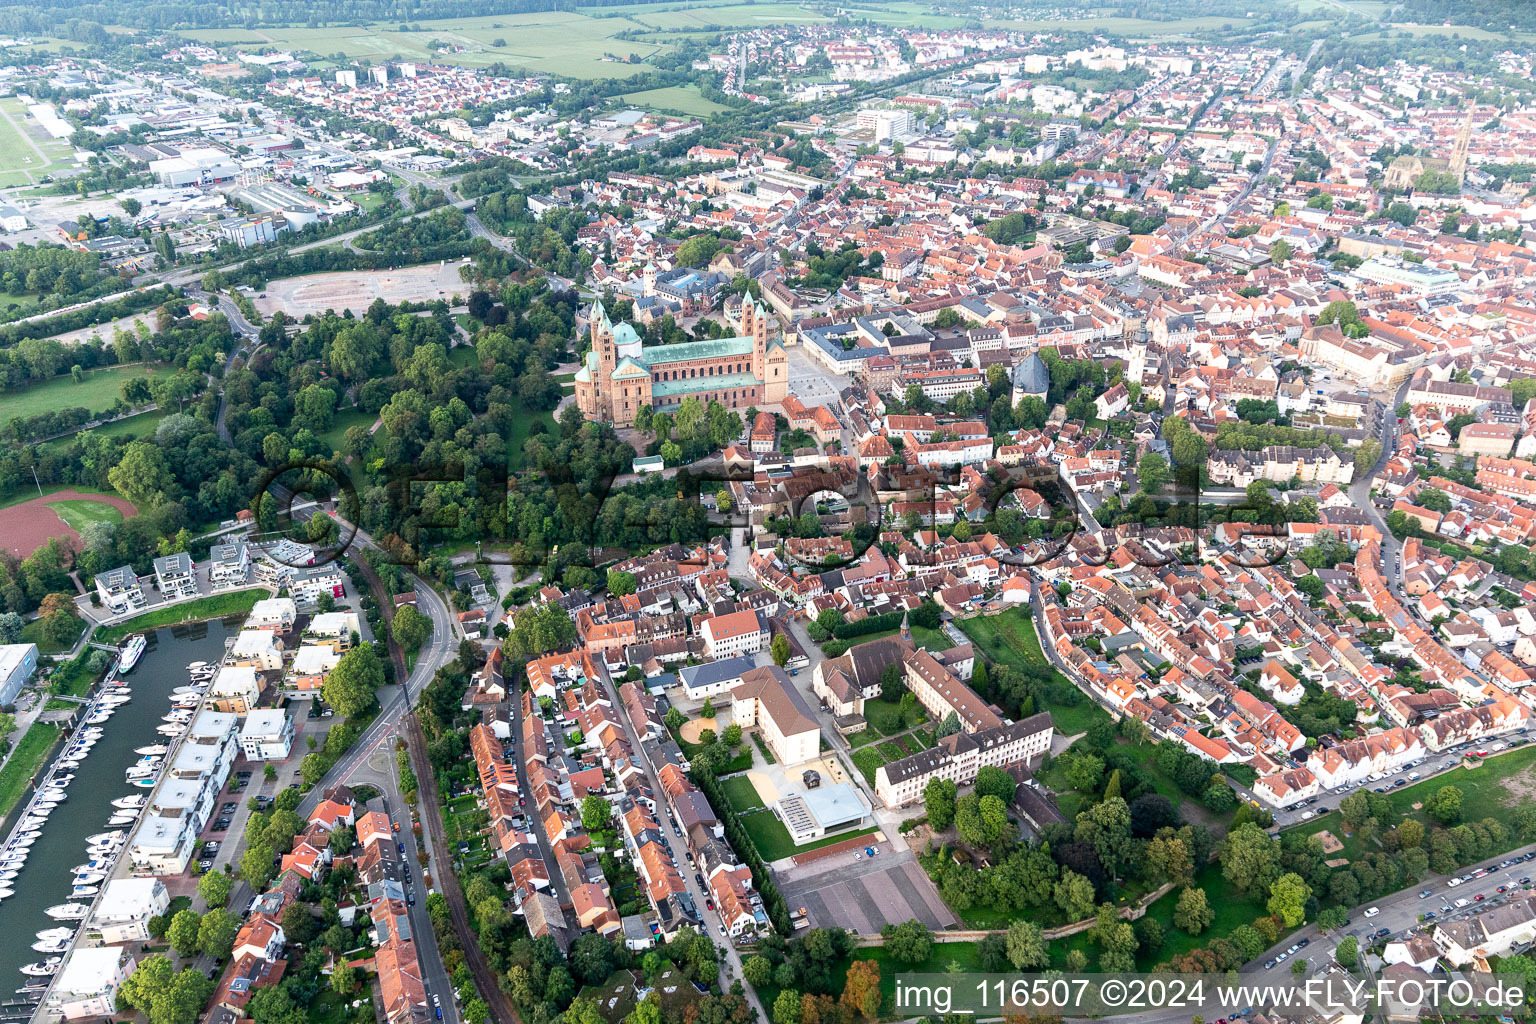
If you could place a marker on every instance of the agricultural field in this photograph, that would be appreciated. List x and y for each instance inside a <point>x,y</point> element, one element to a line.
<point>555,42</point>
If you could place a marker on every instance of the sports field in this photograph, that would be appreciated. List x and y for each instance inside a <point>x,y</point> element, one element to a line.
<point>27,525</point>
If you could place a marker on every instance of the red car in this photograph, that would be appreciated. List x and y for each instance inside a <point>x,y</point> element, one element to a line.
<point>1477,897</point>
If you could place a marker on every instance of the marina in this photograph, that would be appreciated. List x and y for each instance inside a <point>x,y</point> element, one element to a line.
<point>68,835</point>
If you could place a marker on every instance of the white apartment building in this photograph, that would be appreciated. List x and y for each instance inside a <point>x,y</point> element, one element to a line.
<point>126,905</point>
<point>267,735</point>
<point>960,756</point>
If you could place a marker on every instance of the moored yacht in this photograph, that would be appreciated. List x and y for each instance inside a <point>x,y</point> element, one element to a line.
<point>131,653</point>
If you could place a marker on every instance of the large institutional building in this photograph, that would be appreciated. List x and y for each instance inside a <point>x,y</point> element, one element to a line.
<point>619,374</point>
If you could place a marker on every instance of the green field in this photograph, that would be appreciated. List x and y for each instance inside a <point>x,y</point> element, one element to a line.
<point>76,513</point>
<point>742,794</point>
<point>680,99</point>
<point>1010,639</point>
<point>342,422</point>
<point>555,42</point>
<point>100,388</point>
<point>215,607</point>
<point>28,756</point>
<point>1490,790</point>
<point>27,152</point>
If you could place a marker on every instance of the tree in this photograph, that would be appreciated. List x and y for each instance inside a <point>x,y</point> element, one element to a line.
<point>779,648</point>
<point>410,628</point>
<point>346,980</point>
<point>215,887</point>
<point>621,583</point>
<point>1027,947</point>
<point>351,685</point>
<point>1250,859</point>
<point>861,994</point>
<point>216,934</point>
<point>142,475</point>
<point>1280,251</point>
<point>256,866</point>
<point>1074,895</point>
<point>756,970</point>
<point>893,682</point>
<point>1085,771</point>
<point>1444,805</point>
<point>939,802</point>
<point>596,813</point>
<point>907,943</point>
<point>1288,897</point>
<point>1191,912</point>
<point>994,781</point>
<point>1347,952</point>
<point>1153,472</point>
<point>183,932</point>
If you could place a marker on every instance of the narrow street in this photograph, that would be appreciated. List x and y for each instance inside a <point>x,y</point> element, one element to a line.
<point>679,850</point>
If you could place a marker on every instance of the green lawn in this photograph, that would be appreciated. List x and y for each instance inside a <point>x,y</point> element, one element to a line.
<point>742,794</point>
<point>32,633</point>
<point>215,607</point>
<point>1010,639</point>
<point>74,678</point>
<point>522,428</point>
<point>28,756</point>
<point>772,838</point>
<point>100,388</point>
<point>1485,793</point>
<point>681,99</point>
<point>342,422</point>
<point>78,512</point>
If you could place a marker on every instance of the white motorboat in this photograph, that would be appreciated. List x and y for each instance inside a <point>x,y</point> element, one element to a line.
<point>32,822</point>
<point>94,733</point>
<point>68,762</point>
<point>153,750</point>
<point>54,794</point>
<point>43,968</point>
<point>99,717</point>
<point>142,771</point>
<point>8,876</point>
<point>179,715</point>
<point>132,800</point>
<point>55,933</point>
<point>94,864</point>
<point>23,842</point>
<point>90,877</point>
<point>51,945</point>
<point>106,837</point>
<point>6,892</point>
<point>45,805</point>
<point>144,783</point>
<point>62,780</point>
<point>124,818</point>
<point>68,911</point>
<point>84,890</point>
<point>171,730</point>
<point>131,653</point>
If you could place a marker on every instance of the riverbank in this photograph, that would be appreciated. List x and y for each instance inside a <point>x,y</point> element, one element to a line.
<point>217,606</point>
<point>25,762</point>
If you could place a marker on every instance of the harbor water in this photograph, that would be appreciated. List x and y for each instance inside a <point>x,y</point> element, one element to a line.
<point>46,879</point>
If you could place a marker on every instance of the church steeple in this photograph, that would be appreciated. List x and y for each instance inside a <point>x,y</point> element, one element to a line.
<point>906,627</point>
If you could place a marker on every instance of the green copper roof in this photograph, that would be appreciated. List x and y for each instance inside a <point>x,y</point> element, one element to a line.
<point>680,389</point>
<point>655,354</point>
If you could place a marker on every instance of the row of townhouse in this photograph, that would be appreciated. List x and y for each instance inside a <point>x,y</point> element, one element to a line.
<point>728,881</point>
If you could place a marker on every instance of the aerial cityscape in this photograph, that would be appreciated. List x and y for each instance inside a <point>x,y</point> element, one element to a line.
<point>717,511</point>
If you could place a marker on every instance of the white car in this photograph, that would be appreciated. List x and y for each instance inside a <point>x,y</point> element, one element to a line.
<point>1453,883</point>
<point>1462,902</point>
<point>1373,911</point>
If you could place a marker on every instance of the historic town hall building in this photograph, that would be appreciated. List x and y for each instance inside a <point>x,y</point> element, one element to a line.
<point>619,374</point>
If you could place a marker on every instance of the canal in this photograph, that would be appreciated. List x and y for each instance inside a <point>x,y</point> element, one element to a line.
<point>46,879</point>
